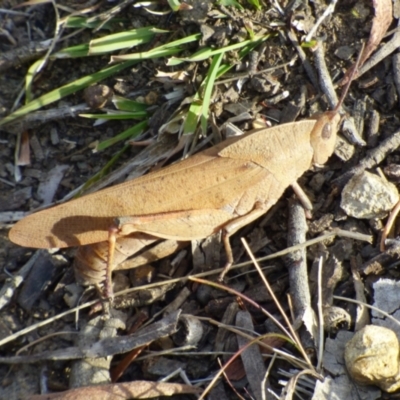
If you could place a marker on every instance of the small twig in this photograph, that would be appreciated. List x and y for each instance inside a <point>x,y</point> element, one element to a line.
<point>389,225</point>
<point>335,232</point>
<point>277,303</point>
<point>229,382</point>
<point>12,283</point>
<point>249,74</point>
<point>373,158</point>
<point>378,310</point>
<point>381,54</point>
<point>306,63</point>
<point>296,263</point>
<point>328,11</point>
<point>325,80</point>
<point>320,318</point>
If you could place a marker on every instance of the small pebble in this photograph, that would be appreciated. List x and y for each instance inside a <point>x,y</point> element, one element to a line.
<point>372,358</point>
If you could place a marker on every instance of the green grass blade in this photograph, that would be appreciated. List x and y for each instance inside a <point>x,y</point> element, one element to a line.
<point>123,40</point>
<point>124,104</point>
<point>103,172</point>
<point>78,22</point>
<point>208,88</point>
<point>193,115</point>
<point>206,53</point>
<point>63,91</point>
<point>158,50</point>
<point>117,116</point>
<point>129,133</point>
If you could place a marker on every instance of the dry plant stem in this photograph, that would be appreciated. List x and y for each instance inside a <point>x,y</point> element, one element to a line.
<point>320,318</point>
<point>378,264</point>
<point>373,158</point>
<point>107,15</point>
<point>12,283</point>
<point>325,80</point>
<point>220,372</point>
<point>250,301</point>
<point>296,263</point>
<point>276,301</point>
<point>385,314</point>
<point>298,363</point>
<point>34,119</point>
<point>362,317</point>
<point>44,338</point>
<point>292,383</point>
<point>396,71</point>
<point>173,306</point>
<point>389,225</point>
<point>302,197</point>
<point>306,63</point>
<point>269,369</point>
<point>328,11</point>
<point>21,55</point>
<point>335,232</point>
<point>229,382</point>
<point>381,54</point>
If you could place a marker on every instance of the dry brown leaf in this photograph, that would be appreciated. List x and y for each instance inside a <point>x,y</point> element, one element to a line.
<point>235,370</point>
<point>24,157</point>
<point>382,19</point>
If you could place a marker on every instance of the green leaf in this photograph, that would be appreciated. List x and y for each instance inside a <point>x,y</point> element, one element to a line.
<point>124,104</point>
<point>129,133</point>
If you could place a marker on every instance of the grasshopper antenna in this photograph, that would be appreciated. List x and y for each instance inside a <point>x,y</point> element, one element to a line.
<point>350,80</point>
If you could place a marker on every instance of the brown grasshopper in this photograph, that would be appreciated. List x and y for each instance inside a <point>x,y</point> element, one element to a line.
<point>222,189</point>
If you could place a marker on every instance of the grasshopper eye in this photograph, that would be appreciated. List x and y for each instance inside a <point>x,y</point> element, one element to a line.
<point>326,131</point>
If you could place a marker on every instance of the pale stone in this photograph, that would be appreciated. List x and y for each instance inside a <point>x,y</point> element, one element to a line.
<point>368,196</point>
<point>372,358</point>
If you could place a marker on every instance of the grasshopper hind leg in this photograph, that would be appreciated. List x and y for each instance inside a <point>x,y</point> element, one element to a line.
<point>233,226</point>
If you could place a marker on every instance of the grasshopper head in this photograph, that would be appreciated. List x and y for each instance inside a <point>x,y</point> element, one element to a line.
<point>323,136</point>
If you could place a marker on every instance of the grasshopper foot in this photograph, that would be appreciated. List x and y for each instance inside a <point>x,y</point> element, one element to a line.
<point>227,266</point>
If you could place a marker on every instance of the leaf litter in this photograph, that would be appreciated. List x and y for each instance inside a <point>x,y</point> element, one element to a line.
<point>241,88</point>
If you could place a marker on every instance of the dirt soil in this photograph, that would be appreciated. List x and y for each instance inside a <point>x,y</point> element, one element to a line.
<point>66,144</point>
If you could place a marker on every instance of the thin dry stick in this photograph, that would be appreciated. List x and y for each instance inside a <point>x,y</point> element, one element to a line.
<point>385,314</point>
<point>263,384</point>
<point>237,354</point>
<point>328,11</point>
<point>271,292</point>
<point>296,263</point>
<point>297,362</point>
<point>229,382</point>
<point>335,232</point>
<point>389,225</point>
<point>320,317</point>
<point>247,299</point>
<point>14,281</point>
<point>247,74</point>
